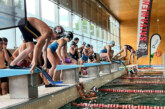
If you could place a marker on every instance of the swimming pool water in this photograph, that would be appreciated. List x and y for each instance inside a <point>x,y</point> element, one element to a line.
<point>149,99</point>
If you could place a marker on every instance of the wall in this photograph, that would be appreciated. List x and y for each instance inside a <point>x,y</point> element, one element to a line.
<point>128,31</point>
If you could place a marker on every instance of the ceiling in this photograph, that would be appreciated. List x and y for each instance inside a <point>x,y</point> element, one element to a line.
<point>128,9</point>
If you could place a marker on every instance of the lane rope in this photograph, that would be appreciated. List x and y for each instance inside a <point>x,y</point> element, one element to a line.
<point>138,82</point>
<point>116,106</point>
<point>142,78</point>
<point>131,91</point>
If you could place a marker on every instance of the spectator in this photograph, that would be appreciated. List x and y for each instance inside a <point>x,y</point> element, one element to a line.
<point>3,56</point>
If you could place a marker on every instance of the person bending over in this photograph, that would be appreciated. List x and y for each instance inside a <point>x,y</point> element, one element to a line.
<point>84,57</point>
<point>54,53</point>
<point>125,49</point>
<point>107,51</point>
<point>80,50</point>
<point>3,56</point>
<point>85,96</point>
<point>72,52</point>
<point>36,29</point>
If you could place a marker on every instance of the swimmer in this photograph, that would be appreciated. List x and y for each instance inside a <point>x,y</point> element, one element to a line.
<point>82,92</point>
<point>107,51</point>
<point>80,50</point>
<point>124,49</point>
<point>72,53</point>
<point>36,29</point>
<point>84,57</point>
<point>54,53</point>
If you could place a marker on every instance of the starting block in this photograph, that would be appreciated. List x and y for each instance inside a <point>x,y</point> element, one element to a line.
<point>105,67</point>
<point>22,84</point>
<point>93,69</point>
<point>70,73</point>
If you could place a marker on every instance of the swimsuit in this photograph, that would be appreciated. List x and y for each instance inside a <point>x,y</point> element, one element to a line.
<point>53,47</point>
<point>128,47</point>
<point>28,31</point>
<point>84,57</point>
<point>104,50</point>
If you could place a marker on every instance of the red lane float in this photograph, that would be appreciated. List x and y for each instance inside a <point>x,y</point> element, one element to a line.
<point>142,78</point>
<point>116,106</point>
<point>138,82</point>
<point>132,91</point>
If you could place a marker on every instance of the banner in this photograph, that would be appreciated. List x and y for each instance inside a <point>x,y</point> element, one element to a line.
<point>11,11</point>
<point>143,27</point>
<point>154,43</point>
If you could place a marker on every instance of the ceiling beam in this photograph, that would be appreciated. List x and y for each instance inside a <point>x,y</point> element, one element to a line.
<point>108,10</point>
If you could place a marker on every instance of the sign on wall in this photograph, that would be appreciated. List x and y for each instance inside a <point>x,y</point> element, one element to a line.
<point>143,27</point>
<point>154,43</point>
<point>11,11</point>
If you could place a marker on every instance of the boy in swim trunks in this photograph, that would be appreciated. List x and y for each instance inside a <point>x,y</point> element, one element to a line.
<point>36,29</point>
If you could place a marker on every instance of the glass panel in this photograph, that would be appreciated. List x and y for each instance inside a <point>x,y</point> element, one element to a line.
<point>64,17</point>
<point>87,40</point>
<point>48,12</point>
<point>85,26</point>
<point>94,43</point>
<point>76,22</point>
<point>97,32</point>
<point>99,46</point>
<point>30,5</point>
<point>92,28</point>
<point>10,35</point>
<point>11,12</point>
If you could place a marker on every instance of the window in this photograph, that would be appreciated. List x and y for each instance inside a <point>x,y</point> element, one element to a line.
<point>94,43</point>
<point>99,46</point>
<point>87,40</point>
<point>85,27</point>
<point>31,7</point>
<point>64,17</point>
<point>10,35</point>
<point>76,23</point>
<point>97,32</point>
<point>48,12</point>
<point>102,34</point>
<point>92,29</point>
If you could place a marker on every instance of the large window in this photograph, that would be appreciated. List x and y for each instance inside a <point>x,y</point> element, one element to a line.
<point>92,29</point>
<point>31,7</point>
<point>48,12</point>
<point>85,27</point>
<point>64,17</point>
<point>76,20</point>
<point>94,43</point>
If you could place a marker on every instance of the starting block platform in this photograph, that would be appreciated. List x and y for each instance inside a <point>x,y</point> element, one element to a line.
<point>22,84</point>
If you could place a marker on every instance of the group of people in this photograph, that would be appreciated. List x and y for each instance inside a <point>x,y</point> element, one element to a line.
<point>50,49</point>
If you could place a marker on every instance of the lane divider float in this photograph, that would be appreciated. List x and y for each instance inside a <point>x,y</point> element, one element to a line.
<point>142,78</point>
<point>138,82</point>
<point>131,91</point>
<point>116,106</point>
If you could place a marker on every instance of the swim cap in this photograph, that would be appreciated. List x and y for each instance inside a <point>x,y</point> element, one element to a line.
<point>59,31</point>
<point>73,43</point>
<point>88,45</point>
<point>84,43</point>
<point>69,35</point>
<point>112,43</point>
